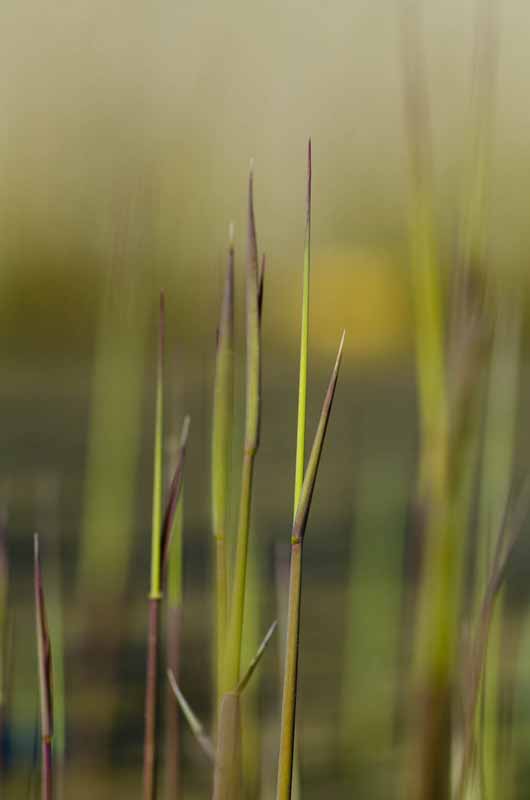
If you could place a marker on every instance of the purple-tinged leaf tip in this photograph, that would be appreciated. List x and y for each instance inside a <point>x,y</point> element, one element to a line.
<point>174,494</point>
<point>302,513</point>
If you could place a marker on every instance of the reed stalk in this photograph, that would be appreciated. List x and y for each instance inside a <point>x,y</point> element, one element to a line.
<point>173,648</point>
<point>285,758</point>
<point>162,529</point>
<point>45,679</point>
<point>232,660</point>
<point>221,459</point>
<point>4,589</point>
<point>155,594</point>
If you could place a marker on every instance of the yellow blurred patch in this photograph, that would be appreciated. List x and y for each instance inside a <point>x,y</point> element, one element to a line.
<point>362,291</point>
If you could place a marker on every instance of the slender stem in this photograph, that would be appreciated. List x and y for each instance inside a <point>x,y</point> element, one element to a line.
<point>45,679</point>
<point>291,675</point>
<point>155,594</point>
<point>285,759</point>
<point>221,457</point>
<point>150,700</point>
<point>47,769</point>
<point>235,631</point>
<point>156,528</point>
<point>174,624</point>
<point>304,343</point>
<point>231,672</point>
<point>173,632</point>
<point>227,772</point>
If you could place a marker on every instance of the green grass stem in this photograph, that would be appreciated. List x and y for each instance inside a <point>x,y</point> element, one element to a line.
<point>285,758</point>
<point>221,458</point>
<point>45,678</point>
<point>231,671</point>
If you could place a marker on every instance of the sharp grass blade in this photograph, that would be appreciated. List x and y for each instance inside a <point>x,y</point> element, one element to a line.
<point>175,489</point>
<point>304,345</point>
<point>45,679</point>
<point>156,528</point>
<point>4,588</point>
<point>257,658</point>
<point>231,671</point>
<point>261,284</point>
<point>196,726</point>
<point>173,649</point>
<point>223,411</point>
<point>285,760</point>
<point>308,486</point>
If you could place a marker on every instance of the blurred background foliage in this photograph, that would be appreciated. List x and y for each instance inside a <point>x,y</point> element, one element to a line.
<point>125,135</point>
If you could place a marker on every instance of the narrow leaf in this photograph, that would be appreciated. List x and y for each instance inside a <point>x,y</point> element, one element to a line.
<point>253,328</point>
<point>257,658</point>
<point>45,677</point>
<point>196,726</point>
<point>174,494</point>
<point>308,485</point>
<point>304,345</point>
<point>223,411</point>
<point>156,532</point>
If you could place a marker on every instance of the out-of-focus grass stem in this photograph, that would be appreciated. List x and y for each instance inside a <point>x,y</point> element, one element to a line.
<point>155,594</point>
<point>173,636</point>
<point>4,587</point>
<point>45,679</point>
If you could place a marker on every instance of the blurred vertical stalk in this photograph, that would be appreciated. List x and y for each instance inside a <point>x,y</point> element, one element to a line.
<point>367,714</point>
<point>4,588</point>
<point>231,673</point>
<point>302,406</point>
<point>251,741</point>
<point>221,459</point>
<point>227,775</point>
<point>496,479</point>
<point>437,596</point>
<point>45,679</point>
<point>173,648</point>
<point>155,594</point>
<point>114,440</point>
<point>48,520</point>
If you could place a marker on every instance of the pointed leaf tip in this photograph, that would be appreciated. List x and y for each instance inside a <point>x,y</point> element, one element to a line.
<point>173,496</point>
<point>306,495</point>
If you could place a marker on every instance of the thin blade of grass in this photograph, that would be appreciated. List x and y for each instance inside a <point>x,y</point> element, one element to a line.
<point>173,649</point>
<point>231,671</point>
<point>223,410</point>
<point>45,678</point>
<point>261,284</point>
<point>257,658</point>
<point>193,721</point>
<point>155,594</point>
<point>285,759</point>
<point>308,486</point>
<point>4,587</point>
<point>304,345</point>
<point>156,529</point>
<point>175,489</point>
